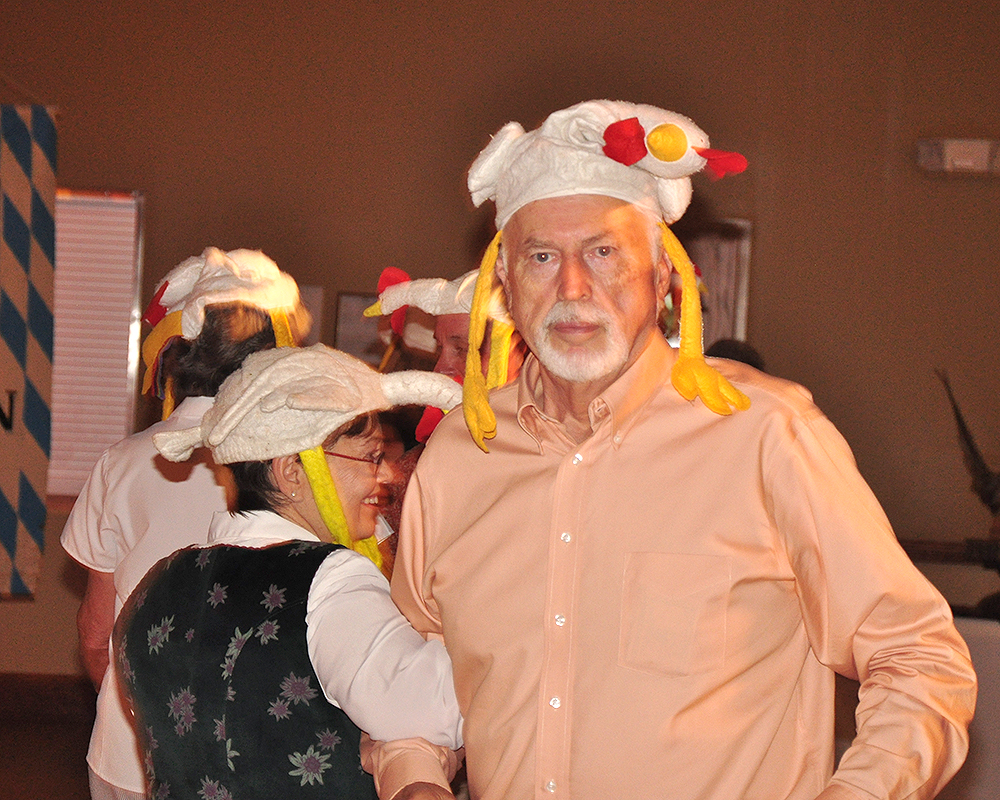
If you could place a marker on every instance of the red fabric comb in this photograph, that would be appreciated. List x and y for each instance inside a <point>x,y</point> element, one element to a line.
<point>390,277</point>
<point>428,422</point>
<point>431,417</point>
<point>721,162</point>
<point>155,311</point>
<point>625,141</point>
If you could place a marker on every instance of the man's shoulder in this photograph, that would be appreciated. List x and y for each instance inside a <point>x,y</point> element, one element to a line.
<point>454,431</point>
<point>450,436</point>
<point>768,394</point>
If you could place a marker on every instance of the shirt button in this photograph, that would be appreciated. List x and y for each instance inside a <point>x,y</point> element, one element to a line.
<point>618,438</point>
<point>566,537</point>
<point>560,620</point>
<point>550,786</point>
<point>577,459</point>
<point>555,702</point>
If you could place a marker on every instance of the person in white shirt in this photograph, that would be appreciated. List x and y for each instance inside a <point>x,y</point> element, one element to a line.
<point>208,313</point>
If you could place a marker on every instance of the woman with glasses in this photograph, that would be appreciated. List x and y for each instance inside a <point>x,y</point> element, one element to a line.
<point>254,663</point>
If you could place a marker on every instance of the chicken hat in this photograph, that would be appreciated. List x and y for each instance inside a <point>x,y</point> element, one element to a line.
<point>288,400</point>
<point>636,153</point>
<point>439,296</point>
<point>178,304</point>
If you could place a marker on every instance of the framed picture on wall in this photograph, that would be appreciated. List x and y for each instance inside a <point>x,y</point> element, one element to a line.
<point>720,249</point>
<point>722,253</point>
<point>355,333</point>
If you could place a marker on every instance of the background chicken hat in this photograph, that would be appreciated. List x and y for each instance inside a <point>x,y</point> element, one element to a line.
<point>288,400</point>
<point>178,304</point>
<point>636,153</point>
<point>439,296</point>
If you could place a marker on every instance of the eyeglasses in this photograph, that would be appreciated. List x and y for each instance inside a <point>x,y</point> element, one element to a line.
<point>375,461</point>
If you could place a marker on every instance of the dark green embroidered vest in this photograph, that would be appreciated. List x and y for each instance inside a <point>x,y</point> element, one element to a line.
<point>212,649</point>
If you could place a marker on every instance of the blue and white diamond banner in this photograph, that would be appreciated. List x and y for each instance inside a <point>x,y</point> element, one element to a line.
<point>27,272</point>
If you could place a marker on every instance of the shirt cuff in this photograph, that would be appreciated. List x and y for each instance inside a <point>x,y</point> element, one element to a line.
<point>395,765</point>
<point>838,791</point>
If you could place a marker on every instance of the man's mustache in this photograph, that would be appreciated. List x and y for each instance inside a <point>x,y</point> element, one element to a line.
<point>574,312</point>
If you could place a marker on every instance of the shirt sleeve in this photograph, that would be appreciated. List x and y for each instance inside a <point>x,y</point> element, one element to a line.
<point>871,616</point>
<point>86,536</point>
<point>371,663</point>
<point>396,764</point>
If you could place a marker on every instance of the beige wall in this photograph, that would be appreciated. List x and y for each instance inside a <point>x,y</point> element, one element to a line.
<point>335,136</point>
<point>39,635</point>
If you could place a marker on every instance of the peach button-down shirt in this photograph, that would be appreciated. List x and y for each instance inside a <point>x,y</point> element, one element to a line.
<point>658,612</point>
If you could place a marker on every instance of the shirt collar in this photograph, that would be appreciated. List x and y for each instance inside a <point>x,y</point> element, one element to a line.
<point>621,400</point>
<point>193,407</point>
<point>255,529</point>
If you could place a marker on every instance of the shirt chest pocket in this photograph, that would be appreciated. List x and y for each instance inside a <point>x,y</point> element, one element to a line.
<point>673,617</point>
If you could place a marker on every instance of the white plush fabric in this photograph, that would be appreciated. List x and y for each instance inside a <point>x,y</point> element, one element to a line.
<point>438,296</point>
<point>565,157</point>
<point>287,400</point>
<point>434,297</point>
<point>246,276</point>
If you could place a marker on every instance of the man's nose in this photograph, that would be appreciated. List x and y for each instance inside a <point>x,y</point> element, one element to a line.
<point>450,364</point>
<point>574,279</point>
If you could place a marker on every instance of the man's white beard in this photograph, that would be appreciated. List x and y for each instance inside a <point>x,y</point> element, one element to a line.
<point>585,365</point>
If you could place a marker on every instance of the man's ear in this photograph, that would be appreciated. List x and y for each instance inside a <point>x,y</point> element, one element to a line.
<point>500,269</point>
<point>663,270</point>
<point>288,475</point>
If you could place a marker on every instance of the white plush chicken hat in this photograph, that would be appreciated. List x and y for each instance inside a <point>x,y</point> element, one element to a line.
<point>178,305</point>
<point>288,400</point>
<point>637,153</point>
<point>439,296</point>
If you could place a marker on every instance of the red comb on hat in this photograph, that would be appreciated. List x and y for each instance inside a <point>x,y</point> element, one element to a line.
<point>155,311</point>
<point>625,141</point>
<point>390,277</point>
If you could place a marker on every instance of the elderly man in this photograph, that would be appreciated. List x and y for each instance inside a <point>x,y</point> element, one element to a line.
<point>647,592</point>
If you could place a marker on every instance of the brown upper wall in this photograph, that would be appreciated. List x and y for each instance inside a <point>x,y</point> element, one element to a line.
<point>336,136</point>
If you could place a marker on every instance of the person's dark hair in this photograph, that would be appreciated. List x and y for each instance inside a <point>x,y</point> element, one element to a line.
<point>231,332</point>
<point>737,350</point>
<point>255,489</point>
<point>359,426</point>
<point>401,422</point>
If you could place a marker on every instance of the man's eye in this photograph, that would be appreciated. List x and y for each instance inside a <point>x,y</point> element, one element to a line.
<point>542,258</point>
<point>604,251</point>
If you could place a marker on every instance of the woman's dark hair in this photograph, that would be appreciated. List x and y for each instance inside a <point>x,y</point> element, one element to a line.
<point>359,426</point>
<point>255,490</point>
<point>737,350</point>
<point>231,332</point>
